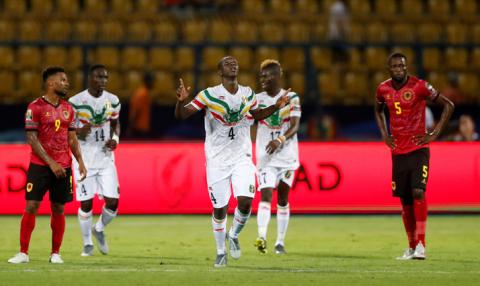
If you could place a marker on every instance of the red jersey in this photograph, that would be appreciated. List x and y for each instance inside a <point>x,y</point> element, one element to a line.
<point>407,110</point>
<point>52,124</point>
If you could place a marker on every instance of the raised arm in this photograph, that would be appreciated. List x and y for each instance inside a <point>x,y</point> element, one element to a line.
<point>448,108</point>
<point>32,140</point>
<point>183,109</point>
<point>75,148</point>
<point>262,113</point>
<point>382,124</point>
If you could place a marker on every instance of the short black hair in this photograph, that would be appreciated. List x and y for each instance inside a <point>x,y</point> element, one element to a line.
<point>220,63</point>
<point>96,67</point>
<point>395,56</point>
<point>49,71</point>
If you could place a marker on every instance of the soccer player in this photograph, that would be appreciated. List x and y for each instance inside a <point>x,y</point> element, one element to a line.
<point>405,97</point>
<point>277,154</point>
<point>228,149</point>
<point>50,130</point>
<point>98,130</point>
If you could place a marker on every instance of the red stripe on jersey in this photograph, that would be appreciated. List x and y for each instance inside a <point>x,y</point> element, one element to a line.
<point>198,103</point>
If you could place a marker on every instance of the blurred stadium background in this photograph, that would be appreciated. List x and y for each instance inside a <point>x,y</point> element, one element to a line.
<point>173,38</point>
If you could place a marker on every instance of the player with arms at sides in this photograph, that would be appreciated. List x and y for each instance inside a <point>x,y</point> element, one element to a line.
<point>277,154</point>
<point>98,130</point>
<point>405,97</point>
<point>228,149</point>
<point>50,130</point>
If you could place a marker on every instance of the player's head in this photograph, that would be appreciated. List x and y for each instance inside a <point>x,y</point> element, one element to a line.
<point>270,75</point>
<point>55,80</point>
<point>228,67</point>
<point>397,65</point>
<point>97,78</point>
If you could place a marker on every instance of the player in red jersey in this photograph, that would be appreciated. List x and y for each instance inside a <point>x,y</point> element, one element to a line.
<point>49,124</point>
<point>405,97</point>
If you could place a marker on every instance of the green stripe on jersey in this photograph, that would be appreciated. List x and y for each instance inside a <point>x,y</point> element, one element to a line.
<point>216,100</point>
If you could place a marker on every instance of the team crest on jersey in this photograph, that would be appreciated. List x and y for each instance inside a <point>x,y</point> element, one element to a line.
<point>388,96</point>
<point>232,116</point>
<point>29,115</point>
<point>108,105</point>
<point>47,114</point>
<point>29,187</point>
<point>407,95</point>
<point>66,114</point>
<point>252,189</point>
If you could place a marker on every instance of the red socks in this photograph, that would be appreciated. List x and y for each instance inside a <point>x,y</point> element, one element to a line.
<point>408,217</point>
<point>420,209</point>
<point>26,228</point>
<point>57,223</point>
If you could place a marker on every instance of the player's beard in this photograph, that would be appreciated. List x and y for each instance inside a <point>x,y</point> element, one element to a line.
<point>61,93</point>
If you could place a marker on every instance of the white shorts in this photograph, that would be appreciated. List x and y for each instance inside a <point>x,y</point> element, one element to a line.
<point>240,177</point>
<point>103,182</point>
<point>270,177</point>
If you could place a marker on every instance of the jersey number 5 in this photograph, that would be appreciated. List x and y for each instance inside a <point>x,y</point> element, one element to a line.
<point>231,134</point>
<point>398,108</point>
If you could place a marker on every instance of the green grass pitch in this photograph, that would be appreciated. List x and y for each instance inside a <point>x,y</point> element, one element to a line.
<point>179,250</point>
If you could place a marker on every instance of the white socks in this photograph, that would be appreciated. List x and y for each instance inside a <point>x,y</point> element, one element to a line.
<point>219,232</point>
<point>85,220</point>
<point>239,221</point>
<point>283,216</point>
<point>106,217</point>
<point>263,218</point>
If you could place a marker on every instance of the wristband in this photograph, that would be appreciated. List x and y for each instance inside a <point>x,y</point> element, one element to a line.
<point>281,139</point>
<point>116,138</point>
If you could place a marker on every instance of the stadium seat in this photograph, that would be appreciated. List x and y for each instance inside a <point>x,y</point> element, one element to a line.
<point>321,58</point>
<point>298,32</point>
<point>7,30</point>
<point>437,79</point>
<point>465,8</point>
<point>7,78</point>
<point>469,84</point>
<point>403,33</point>
<point>28,57</point>
<point>356,34</point>
<point>429,33</point>
<point>375,80</point>
<point>456,58</point>
<point>220,31</point>
<point>29,84</point>
<point>111,30</point>
<point>377,33</point>
<point>209,79</point>
<point>95,7</point>
<point>160,59</point>
<point>244,56</point>
<point>329,86</point>
<point>133,79</point>
<point>184,59</point>
<point>318,32</point>
<point>438,8</point>
<point>245,31</point>
<point>14,8</point>
<point>57,30</point>
<point>376,58</point>
<point>293,59</point>
<point>147,7</point>
<point>84,31</point>
<point>475,37</point>
<point>475,59</point>
<point>456,33</point>
<point>41,7</point>
<point>75,58</point>
<point>248,79</point>
<point>29,30</point>
<point>264,52</point>
<point>210,58</point>
<point>385,9</point>
<point>359,8</point>
<point>116,84</point>
<point>165,86</point>
<point>107,56</point>
<point>272,32</point>
<point>138,31</point>
<point>76,78</point>
<point>164,32</point>
<point>306,6</point>
<point>7,59</point>
<point>54,56</point>
<point>355,59</point>
<point>133,58</point>
<point>356,87</point>
<point>121,7</point>
<point>431,59</point>
<point>280,6</point>
<point>252,7</point>
<point>67,8</point>
<point>194,31</point>
<point>296,81</point>
<point>411,9</point>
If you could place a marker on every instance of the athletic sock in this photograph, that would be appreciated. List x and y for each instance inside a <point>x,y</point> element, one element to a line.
<point>283,216</point>
<point>26,228</point>
<point>105,218</point>
<point>420,209</point>
<point>57,223</point>
<point>85,220</point>
<point>239,220</point>
<point>409,222</point>
<point>219,233</point>
<point>263,218</point>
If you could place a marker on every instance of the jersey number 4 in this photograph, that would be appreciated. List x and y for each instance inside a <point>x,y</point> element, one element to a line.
<point>99,135</point>
<point>231,134</point>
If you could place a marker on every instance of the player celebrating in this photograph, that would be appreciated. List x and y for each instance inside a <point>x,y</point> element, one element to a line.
<point>50,128</point>
<point>405,96</point>
<point>98,130</point>
<point>277,154</point>
<point>228,149</point>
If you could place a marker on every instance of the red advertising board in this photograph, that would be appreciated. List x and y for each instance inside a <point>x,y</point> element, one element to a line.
<point>169,178</point>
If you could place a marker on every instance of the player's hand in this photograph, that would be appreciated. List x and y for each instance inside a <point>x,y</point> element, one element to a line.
<point>82,170</point>
<point>424,138</point>
<point>111,144</point>
<point>390,141</point>
<point>83,131</point>
<point>272,146</point>
<point>283,100</point>
<point>57,170</point>
<point>182,92</point>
